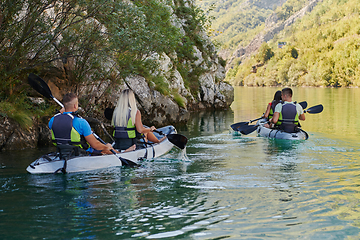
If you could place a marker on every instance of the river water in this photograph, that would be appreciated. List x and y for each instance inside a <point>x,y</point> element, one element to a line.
<point>228,187</point>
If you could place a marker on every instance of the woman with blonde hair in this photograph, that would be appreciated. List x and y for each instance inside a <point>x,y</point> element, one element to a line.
<point>128,125</point>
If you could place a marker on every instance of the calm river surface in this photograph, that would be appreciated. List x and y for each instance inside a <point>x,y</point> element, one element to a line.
<point>231,187</point>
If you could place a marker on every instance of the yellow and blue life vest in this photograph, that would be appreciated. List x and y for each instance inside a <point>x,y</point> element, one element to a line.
<point>126,132</point>
<point>63,132</point>
<point>288,118</point>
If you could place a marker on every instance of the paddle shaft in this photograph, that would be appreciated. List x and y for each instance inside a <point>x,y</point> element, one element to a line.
<point>123,160</point>
<point>58,102</point>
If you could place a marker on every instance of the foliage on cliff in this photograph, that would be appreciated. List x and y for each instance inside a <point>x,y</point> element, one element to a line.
<point>323,49</point>
<point>236,22</point>
<point>84,41</point>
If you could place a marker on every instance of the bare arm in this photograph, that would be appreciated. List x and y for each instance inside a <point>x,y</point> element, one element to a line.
<point>139,126</point>
<point>275,117</point>
<point>267,112</point>
<point>94,143</point>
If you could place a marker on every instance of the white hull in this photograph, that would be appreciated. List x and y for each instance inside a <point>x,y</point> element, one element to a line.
<point>279,134</point>
<point>88,163</point>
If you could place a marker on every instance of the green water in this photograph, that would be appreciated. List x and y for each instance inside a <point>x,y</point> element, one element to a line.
<point>231,187</point>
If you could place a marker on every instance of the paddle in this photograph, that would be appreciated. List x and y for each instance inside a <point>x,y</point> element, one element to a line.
<point>123,160</point>
<point>41,87</point>
<point>315,109</point>
<point>303,104</point>
<point>109,113</point>
<point>176,139</point>
<point>248,129</point>
<point>236,126</point>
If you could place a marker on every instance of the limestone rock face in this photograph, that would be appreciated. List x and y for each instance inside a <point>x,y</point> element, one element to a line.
<point>160,109</point>
<point>156,107</point>
<point>13,137</point>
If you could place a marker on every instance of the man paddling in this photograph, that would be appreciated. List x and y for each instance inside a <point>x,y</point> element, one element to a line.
<point>67,128</point>
<point>287,114</point>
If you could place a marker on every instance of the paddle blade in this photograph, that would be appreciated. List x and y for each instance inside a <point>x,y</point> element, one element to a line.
<point>124,161</point>
<point>178,140</point>
<point>39,85</point>
<point>129,163</point>
<point>315,109</point>
<point>236,126</point>
<point>109,113</point>
<point>249,129</point>
<point>303,104</point>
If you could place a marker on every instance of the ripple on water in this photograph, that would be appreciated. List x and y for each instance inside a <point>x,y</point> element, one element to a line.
<point>165,234</point>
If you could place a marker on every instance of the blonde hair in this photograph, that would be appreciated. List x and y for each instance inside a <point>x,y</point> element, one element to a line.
<point>126,101</point>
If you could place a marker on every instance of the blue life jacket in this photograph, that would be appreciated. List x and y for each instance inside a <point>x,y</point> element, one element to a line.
<point>288,118</point>
<point>63,132</point>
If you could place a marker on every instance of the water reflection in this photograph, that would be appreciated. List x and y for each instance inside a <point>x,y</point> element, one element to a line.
<point>281,146</point>
<point>205,123</point>
<point>282,161</point>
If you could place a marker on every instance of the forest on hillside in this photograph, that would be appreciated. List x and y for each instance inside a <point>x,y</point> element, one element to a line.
<point>236,22</point>
<point>322,49</point>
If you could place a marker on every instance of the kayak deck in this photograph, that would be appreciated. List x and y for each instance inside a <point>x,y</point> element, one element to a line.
<point>51,162</point>
<point>279,134</point>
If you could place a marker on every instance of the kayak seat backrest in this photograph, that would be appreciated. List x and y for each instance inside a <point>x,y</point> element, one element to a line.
<point>67,151</point>
<point>288,128</point>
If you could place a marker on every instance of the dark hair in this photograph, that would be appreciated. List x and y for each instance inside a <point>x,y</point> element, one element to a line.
<point>287,91</point>
<point>69,97</point>
<point>277,97</point>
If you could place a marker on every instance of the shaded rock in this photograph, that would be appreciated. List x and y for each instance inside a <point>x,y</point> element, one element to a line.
<point>12,137</point>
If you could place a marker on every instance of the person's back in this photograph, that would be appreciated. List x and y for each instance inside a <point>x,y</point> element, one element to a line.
<point>69,129</point>
<point>63,130</point>
<point>287,114</point>
<point>128,125</point>
<point>288,117</point>
<point>125,133</point>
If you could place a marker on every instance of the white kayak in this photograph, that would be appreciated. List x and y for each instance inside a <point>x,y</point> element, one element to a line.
<point>51,163</point>
<point>279,134</point>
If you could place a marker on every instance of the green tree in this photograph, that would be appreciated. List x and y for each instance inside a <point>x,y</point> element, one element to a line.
<point>265,53</point>
<point>294,53</point>
<point>84,41</point>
